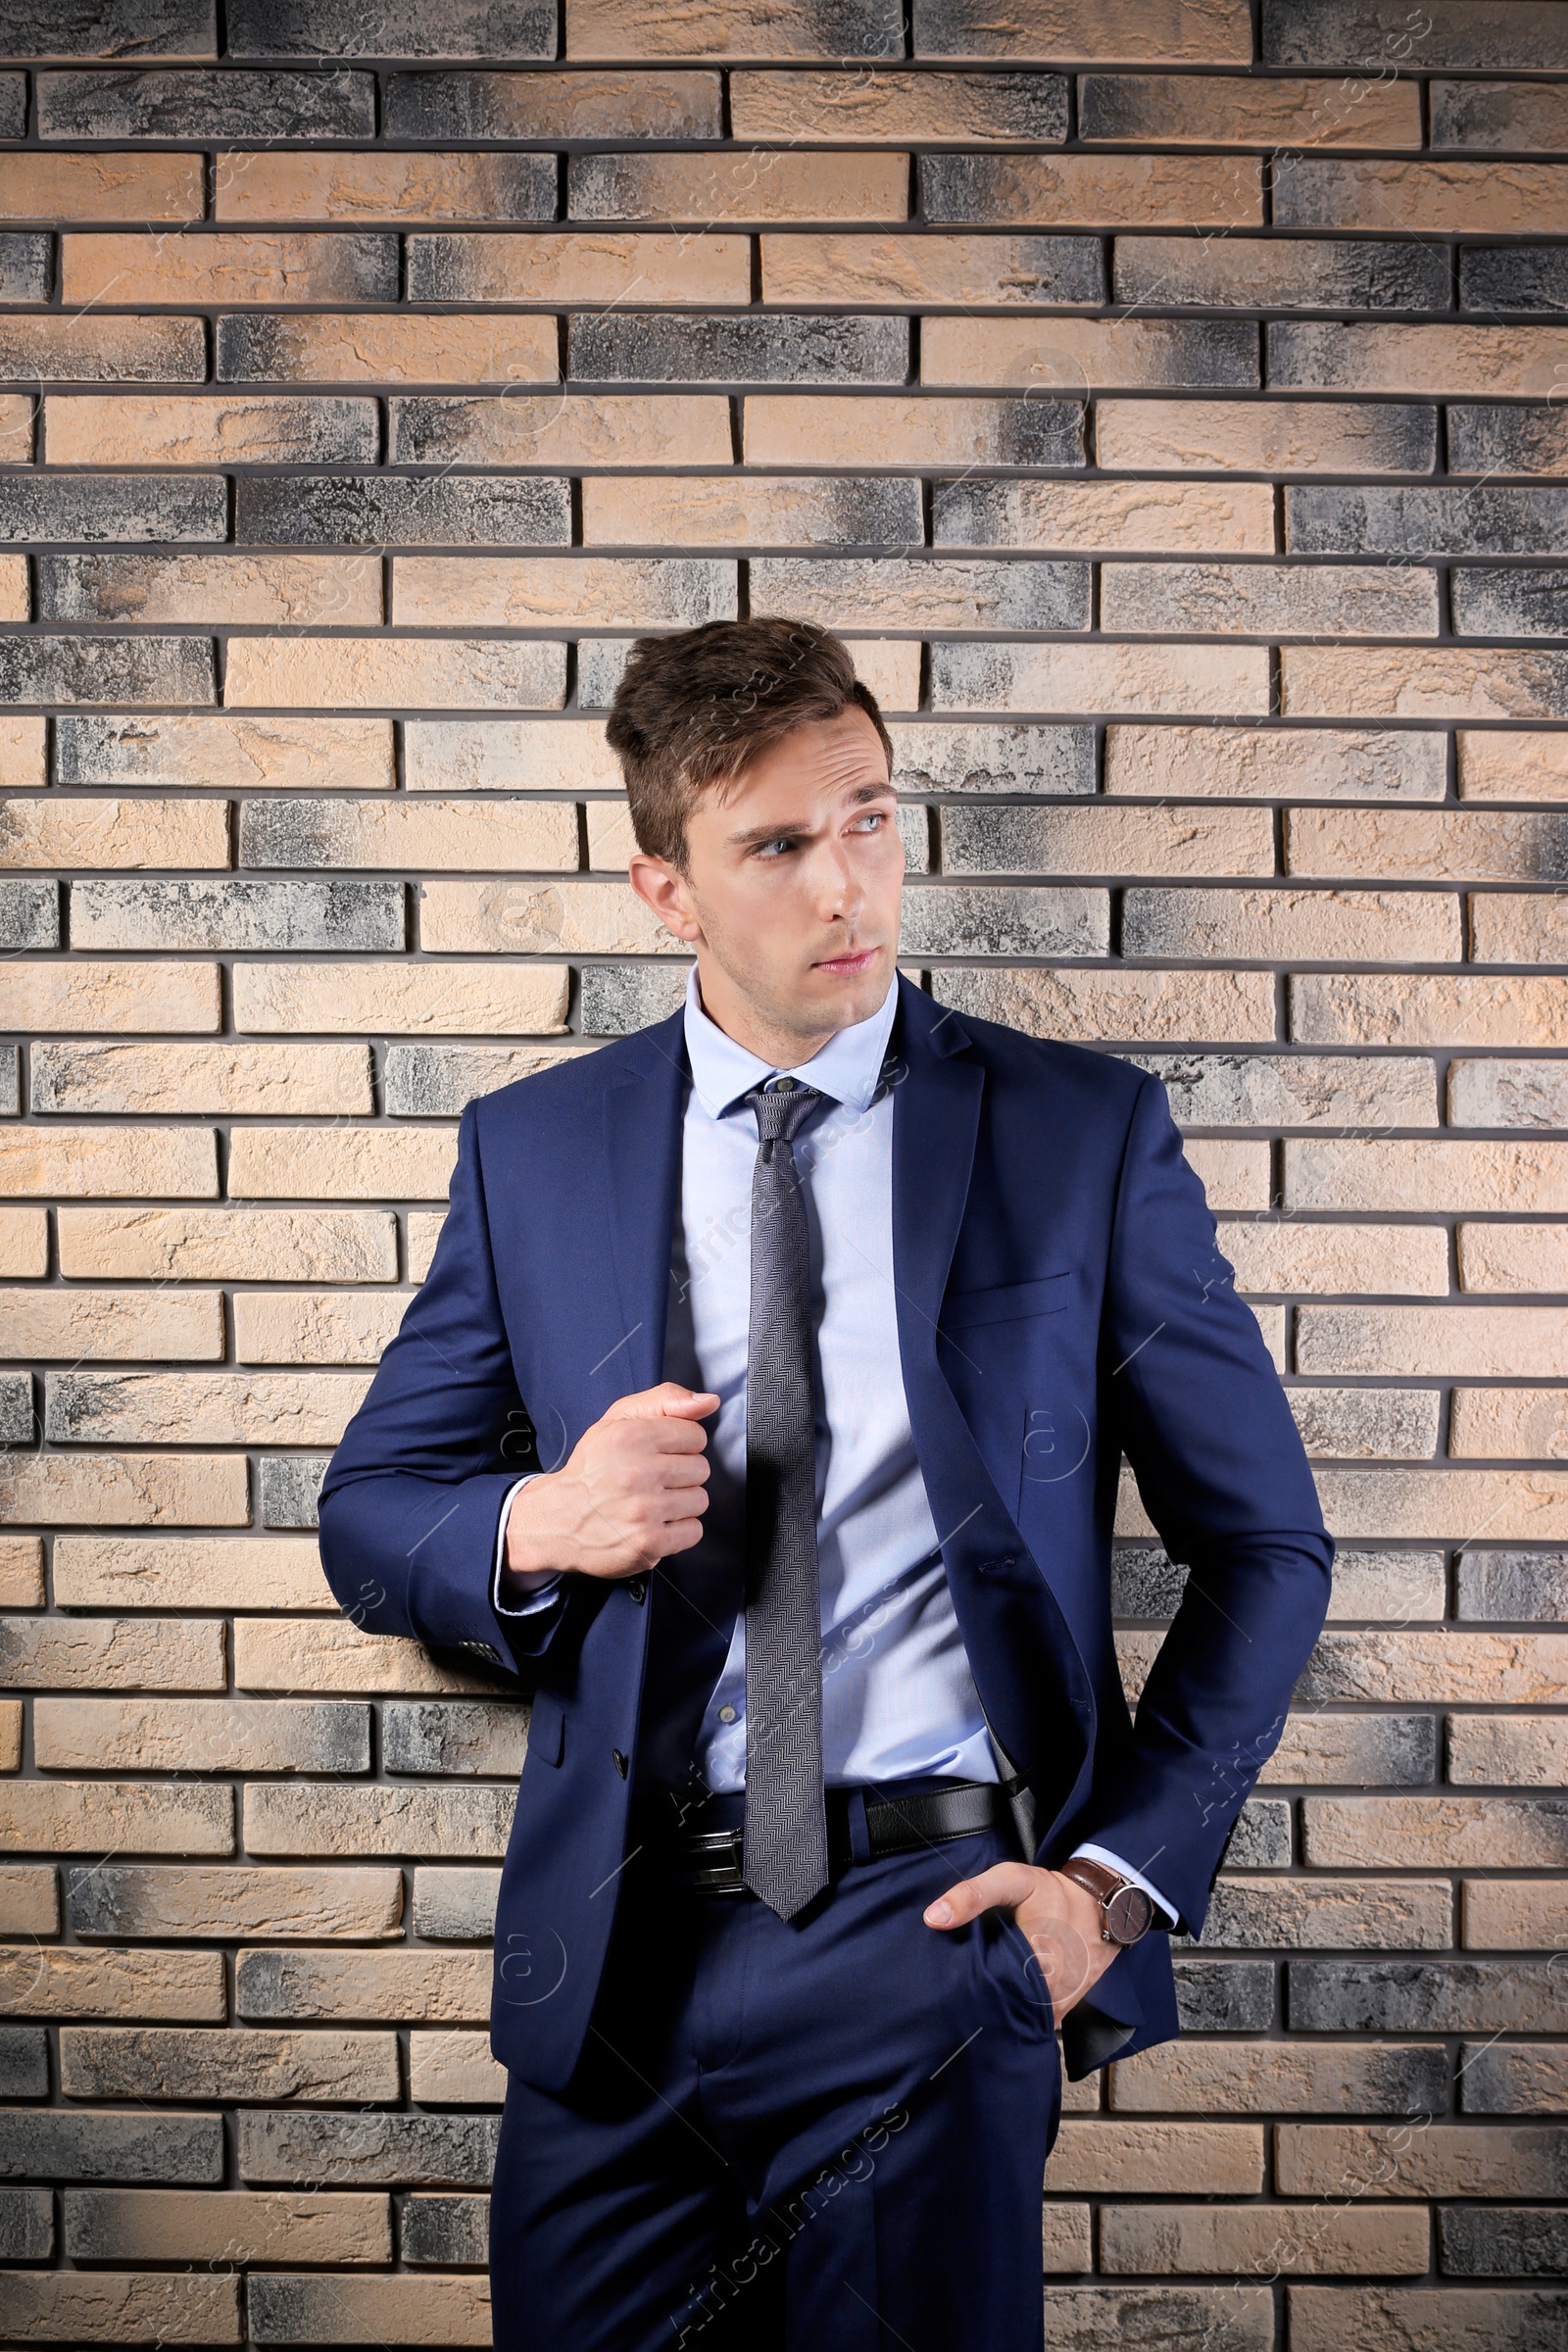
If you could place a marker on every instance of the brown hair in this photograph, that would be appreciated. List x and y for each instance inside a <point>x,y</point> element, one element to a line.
<point>694,709</point>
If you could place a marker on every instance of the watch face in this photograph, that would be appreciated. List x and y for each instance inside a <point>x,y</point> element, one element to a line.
<point>1129,1915</point>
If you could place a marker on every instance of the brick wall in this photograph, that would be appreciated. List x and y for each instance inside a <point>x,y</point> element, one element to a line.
<point>1167,400</point>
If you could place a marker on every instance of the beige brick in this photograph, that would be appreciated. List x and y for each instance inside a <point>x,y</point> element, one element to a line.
<point>524,754</point>
<point>71,1983</point>
<point>420,834</point>
<point>112,834</point>
<point>205,1408</point>
<point>424,1230</point>
<point>1211,109</point>
<point>1090,840</point>
<point>631,592</point>
<point>91,428</point>
<point>1117,191</point>
<point>890,667</point>
<point>1426,1009</point>
<point>1440,358</point>
<point>124,1324</point>
<point>1515,1915</point>
<point>760,185</point>
<point>267,184</point>
<point>1522,1750</point>
<point>1366,1915</point>
<point>217,752</point>
<point>378,347</point>
<point>1443,1832</point>
<point>1368,1173</point>
<point>333,1818</point>
<point>1508,1094</point>
<point>89,1162</point>
<point>1084,1006</point>
<point>1508,1424</point>
<point>129,1490</point>
<point>296,1327</point>
<point>10,1735</point>
<point>42,187</point>
<point>1436,2160</point>
<point>1342,926</point>
<point>16,411</point>
<point>742,511</point>
<point>1060,355</point>
<point>203,265</point>
<point>1516,928</point>
<point>1415,1341</point>
<point>21,751</point>
<point>1310,763</point>
<point>604,428</point>
<point>91,1817</point>
<point>1447,681</point>
<point>15,602</point>
<point>1106,2157</point>
<point>1230,680</point>
<point>1503,765</point>
<point>1271,600</point>
<point>248,2066</point>
<point>1431,197</point>
<point>165,1735</point>
<point>405,1000</point>
<point>402,672</point>
<point>1377,2319</point>
<point>190,1572</point>
<point>644,29</point>
<point>979,268</point>
<point>1239,2077</point>
<point>1275,436</point>
<point>290,1655</point>
<point>205,1901</point>
<point>1367,1424</point>
<point>119,2307</point>
<point>1234,1175</point>
<point>455,2070</point>
<point>289,1081</point>
<point>355,1163</point>
<point>415,1987</point>
<point>1410,845</point>
<point>230,1245</point>
<point>29,1900</point>
<point>110,1653</point>
<point>297,589</point>
<point>23,1240</point>
<point>975,109</point>
<point>903,429</point>
<point>409,2308</point>
<point>591,917</point>
<point>581,266</point>
<point>21,1571</point>
<point>85,993</point>
<point>1438,1505</point>
<point>1183,517</point>
<point>1395,1585</point>
<point>1263,2240</point>
<point>171,2224</point>
<point>1299,1257</point>
<point>1464,1669</point>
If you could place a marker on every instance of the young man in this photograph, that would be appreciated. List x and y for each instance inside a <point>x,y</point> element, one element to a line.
<point>834,1315</point>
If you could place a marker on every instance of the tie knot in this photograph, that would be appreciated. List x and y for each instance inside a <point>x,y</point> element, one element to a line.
<point>782,1110</point>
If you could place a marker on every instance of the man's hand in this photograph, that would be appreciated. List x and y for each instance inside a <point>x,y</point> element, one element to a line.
<point>1060,1919</point>
<point>632,1491</point>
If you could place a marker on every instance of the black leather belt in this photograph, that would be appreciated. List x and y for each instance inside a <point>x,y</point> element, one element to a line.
<point>709,1859</point>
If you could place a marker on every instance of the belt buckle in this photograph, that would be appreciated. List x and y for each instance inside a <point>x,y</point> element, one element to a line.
<point>720,1875</point>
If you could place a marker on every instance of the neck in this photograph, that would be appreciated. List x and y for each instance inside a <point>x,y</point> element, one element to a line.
<point>757,1027</point>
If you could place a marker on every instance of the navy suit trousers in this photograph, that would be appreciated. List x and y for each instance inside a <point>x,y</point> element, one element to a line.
<point>821,2136</point>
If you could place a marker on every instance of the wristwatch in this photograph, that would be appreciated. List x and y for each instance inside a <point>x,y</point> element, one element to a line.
<point>1126,1912</point>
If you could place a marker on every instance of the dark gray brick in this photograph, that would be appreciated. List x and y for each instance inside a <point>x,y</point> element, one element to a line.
<point>368,2151</point>
<point>29,915</point>
<point>198,105</point>
<point>101,506</point>
<point>1225,1996</point>
<point>26,2224</point>
<point>954,757</point>
<point>108,29</point>
<point>528,106</point>
<point>699,348</point>
<point>1427,1996</point>
<point>484,1737</point>
<point>390,509</point>
<point>456,1905</point>
<point>1514,1587</point>
<point>13,105</point>
<point>1291,273</point>
<point>1503,2242</point>
<point>1513,2077</point>
<point>26,265</point>
<point>1488,114</point>
<point>970,676</point>
<point>453,2231</point>
<point>438,1082</point>
<point>17,1426</point>
<point>1143,1582</point>
<point>600,664</point>
<point>1000,840</point>
<point>107,669</point>
<point>237,915</point>
<point>619,998</point>
<point>1260,1839</point>
<point>23,2062</point>
<point>1321,518</point>
<point>959,191</point>
<point>460,29</point>
<point>289,1486</point>
<point>42,350</point>
<point>1005,920</point>
<point>1514,278</point>
<point>1490,440</point>
<point>1363,35</point>
<point>1494,600</point>
<point>1024,593</point>
<point>58,2143</point>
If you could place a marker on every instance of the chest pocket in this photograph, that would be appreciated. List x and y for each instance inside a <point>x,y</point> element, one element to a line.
<point>1005,1302</point>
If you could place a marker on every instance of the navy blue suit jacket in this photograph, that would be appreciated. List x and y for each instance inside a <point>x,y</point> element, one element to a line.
<point>1062,1301</point>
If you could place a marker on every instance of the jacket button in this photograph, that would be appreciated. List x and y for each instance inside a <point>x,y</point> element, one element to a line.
<point>620,1761</point>
<point>637,1587</point>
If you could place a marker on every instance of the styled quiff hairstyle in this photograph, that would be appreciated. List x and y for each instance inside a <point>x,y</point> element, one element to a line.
<point>695,709</point>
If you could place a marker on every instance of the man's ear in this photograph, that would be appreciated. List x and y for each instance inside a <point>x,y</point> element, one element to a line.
<point>662,887</point>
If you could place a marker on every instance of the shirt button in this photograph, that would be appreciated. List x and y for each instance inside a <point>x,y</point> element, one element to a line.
<point>726,1714</point>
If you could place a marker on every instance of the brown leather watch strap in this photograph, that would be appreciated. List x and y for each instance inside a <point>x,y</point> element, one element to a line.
<point>1126,1912</point>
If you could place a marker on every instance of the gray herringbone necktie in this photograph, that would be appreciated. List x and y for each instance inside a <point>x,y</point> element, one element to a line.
<point>785,1848</point>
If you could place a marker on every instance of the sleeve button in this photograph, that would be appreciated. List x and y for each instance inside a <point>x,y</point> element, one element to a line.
<point>620,1761</point>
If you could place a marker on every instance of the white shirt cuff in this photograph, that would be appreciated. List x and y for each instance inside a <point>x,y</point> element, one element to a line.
<point>1101,1853</point>
<point>542,1594</point>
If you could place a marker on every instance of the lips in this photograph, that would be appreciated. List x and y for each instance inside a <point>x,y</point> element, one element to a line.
<point>848,965</point>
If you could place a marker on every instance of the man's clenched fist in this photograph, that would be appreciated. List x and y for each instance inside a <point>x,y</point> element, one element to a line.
<point>632,1491</point>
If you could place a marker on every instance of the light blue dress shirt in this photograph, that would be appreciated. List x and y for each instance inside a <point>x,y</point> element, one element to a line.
<point>897,1695</point>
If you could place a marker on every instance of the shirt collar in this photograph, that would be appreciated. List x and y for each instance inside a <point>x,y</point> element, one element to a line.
<point>847,1068</point>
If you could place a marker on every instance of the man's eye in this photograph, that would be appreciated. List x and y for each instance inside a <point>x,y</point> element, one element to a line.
<point>869,822</point>
<point>768,848</point>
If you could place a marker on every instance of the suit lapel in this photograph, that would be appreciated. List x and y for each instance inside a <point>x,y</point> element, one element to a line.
<point>936,1116</point>
<point>642,1115</point>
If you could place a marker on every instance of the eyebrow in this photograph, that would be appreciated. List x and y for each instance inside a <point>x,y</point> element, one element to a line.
<point>788,832</point>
